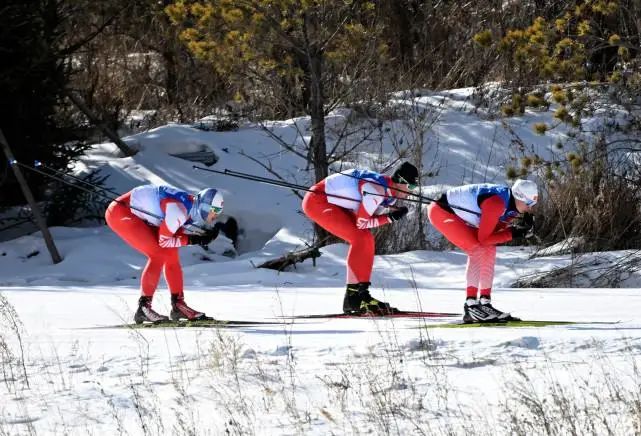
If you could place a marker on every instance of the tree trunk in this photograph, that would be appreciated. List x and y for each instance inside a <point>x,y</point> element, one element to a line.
<point>401,19</point>
<point>317,115</point>
<point>51,246</point>
<point>171,77</point>
<point>292,258</point>
<point>127,151</point>
<point>318,147</point>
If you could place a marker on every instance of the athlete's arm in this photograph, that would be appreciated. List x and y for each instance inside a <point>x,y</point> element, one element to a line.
<point>373,195</point>
<point>170,232</point>
<point>491,210</point>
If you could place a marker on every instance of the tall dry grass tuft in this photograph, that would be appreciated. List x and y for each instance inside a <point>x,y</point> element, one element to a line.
<point>13,362</point>
<point>595,397</point>
<point>602,209</point>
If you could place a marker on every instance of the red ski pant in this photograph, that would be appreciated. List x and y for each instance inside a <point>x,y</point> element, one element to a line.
<point>481,258</point>
<point>144,238</point>
<point>342,223</point>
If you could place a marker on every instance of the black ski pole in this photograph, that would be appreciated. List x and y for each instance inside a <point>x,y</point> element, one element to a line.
<point>255,178</point>
<point>99,193</point>
<point>289,185</point>
<point>267,180</point>
<point>60,179</point>
<point>420,196</point>
<point>112,197</point>
<point>275,182</point>
<point>39,164</point>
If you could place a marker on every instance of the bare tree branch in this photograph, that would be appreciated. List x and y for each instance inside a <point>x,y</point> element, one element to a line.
<point>271,171</point>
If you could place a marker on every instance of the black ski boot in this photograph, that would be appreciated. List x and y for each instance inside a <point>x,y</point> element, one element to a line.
<point>146,313</point>
<point>352,301</point>
<point>473,312</point>
<point>180,310</point>
<point>486,305</point>
<point>358,300</point>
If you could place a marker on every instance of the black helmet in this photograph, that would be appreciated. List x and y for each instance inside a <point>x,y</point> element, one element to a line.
<point>406,173</point>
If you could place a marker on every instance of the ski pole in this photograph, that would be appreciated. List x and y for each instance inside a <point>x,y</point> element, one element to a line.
<point>36,170</point>
<point>256,178</point>
<point>39,164</point>
<point>289,185</point>
<point>112,197</point>
<point>420,200</point>
<point>101,194</point>
<point>267,180</point>
<point>420,196</point>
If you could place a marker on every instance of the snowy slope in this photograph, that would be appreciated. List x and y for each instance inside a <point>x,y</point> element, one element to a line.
<point>61,375</point>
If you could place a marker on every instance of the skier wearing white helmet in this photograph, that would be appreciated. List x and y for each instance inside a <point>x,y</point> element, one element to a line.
<point>476,218</point>
<point>152,219</point>
<point>525,191</point>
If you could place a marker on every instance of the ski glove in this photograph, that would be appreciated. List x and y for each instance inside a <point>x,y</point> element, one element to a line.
<point>527,221</point>
<point>525,228</point>
<point>205,238</point>
<point>397,214</point>
<point>520,232</point>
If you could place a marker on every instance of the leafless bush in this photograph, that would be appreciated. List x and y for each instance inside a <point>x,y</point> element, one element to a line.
<point>226,362</point>
<point>596,203</point>
<point>603,400</point>
<point>586,270</point>
<point>13,367</point>
<point>591,181</point>
<point>404,235</point>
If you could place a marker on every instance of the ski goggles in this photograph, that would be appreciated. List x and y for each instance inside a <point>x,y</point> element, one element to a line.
<point>531,201</point>
<point>205,210</point>
<point>410,186</point>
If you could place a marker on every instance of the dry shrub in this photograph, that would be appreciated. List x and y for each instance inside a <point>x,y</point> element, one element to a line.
<point>405,235</point>
<point>600,204</point>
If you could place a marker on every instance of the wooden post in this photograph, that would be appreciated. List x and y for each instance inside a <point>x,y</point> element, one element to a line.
<point>40,222</point>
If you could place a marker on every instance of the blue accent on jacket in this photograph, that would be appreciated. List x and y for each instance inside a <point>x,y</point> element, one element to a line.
<point>379,179</point>
<point>167,192</point>
<point>501,191</point>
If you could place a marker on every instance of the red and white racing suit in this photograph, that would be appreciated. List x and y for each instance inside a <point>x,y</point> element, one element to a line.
<point>476,230</point>
<point>348,205</point>
<point>151,219</point>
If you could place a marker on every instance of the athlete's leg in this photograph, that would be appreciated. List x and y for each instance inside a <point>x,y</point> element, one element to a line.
<point>141,237</point>
<point>486,278</point>
<point>342,223</point>
<point>173,271</point>
<point>464,237</point>
<point>473,271</point>
<point>453,228</point>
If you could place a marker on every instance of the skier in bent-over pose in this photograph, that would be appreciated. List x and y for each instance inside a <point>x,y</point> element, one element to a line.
<point>152,219</point>
<point>476,218</point>
<point>348,205</point>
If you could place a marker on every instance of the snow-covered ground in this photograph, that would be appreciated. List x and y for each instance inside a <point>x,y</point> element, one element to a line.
<point>63,374</point>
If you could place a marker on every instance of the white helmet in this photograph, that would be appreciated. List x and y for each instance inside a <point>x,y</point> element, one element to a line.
<point>206,201</point>
<point>526,191</point>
